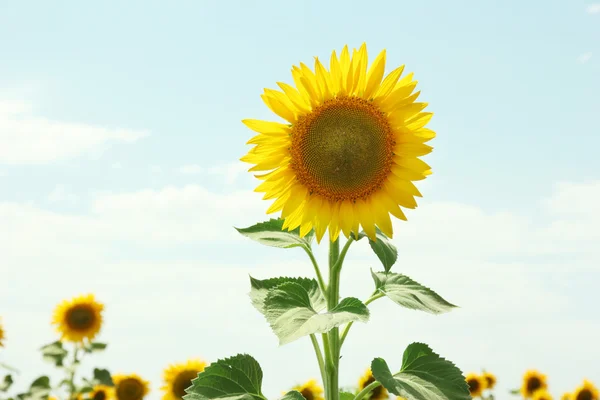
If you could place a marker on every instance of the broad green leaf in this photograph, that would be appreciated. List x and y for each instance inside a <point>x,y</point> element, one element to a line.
<point>293,395</point>
<point>102,377</point>
<point>260,289</point>
<point>271,233</point>
<point>54,352</point>
<point>6,383</point>
<point>235,378</point>
<point>410,294</point>
<point>424,375</point>
<point>289,311</point>
<point>346,396</point>
<point>385,250</point>
<point>95,346</point>
<point>39,389</point>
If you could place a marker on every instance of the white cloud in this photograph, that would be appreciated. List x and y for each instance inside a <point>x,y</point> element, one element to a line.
<point>29,139</point>
<point>593,8</point>
<point>61,193</point>
<point>585,57</point>
<point>512,275</point>
<point>228,172</point>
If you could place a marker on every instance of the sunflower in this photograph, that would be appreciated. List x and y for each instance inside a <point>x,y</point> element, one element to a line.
<point>376,394</point>
<point>310,390</point>
<point>79,318</point>
<point>102,392</point>
<point>350,152</point>
<point>2,337</point>
<point>178,377</point>
<point>566,396</point>
<point>490,380</point>
<point>541,394</point>
<point>532,381</point>
<point>477,384</point>
<point>587,391</point>
<point>130,387</point>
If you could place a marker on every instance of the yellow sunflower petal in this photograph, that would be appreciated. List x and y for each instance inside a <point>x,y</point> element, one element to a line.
<point>375,75</point>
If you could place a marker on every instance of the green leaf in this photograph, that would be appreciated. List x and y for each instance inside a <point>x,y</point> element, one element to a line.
<point>271,233</point>
<point>235,378</point>
<point>102,377</point>
<point>6,383</point>
<point>515,391</point>
<point>385,250</point>
<point>424,375</point>
<point>346,396</point>
<point>95,346</point>
<point>39,389</point>
<point>289,311</point>
<point>410,294</point>
<point>260,288</point>
<point>54,352</point>
<point>293,395</point>
<point>8,368</point>
<point>85,389</point>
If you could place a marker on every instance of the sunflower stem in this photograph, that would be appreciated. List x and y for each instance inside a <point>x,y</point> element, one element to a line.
<point>371,299</point>
<point>319,355</point>
<point>320,279</point>
<point>72,389</point>
<point>333,294</point>
<point>367,390</point>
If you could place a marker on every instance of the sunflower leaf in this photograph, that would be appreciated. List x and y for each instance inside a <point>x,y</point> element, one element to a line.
<point>102,377</point>
<point>54,352</point>
<point>6,383</point>
<point>271,233</point>
<point>424,375</point>
<point>94,346</point>
<point>410,294</point>
<point>289,311</point>
<point>8,368</point>
<point>384,249</point>
<point>293,395</point>
<point>260,288</point>
<point>346,396</point>
<point>234,378</point>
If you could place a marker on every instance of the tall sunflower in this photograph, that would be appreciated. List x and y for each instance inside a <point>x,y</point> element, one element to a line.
<point>2,337</point>
<point>532,381</point>
<point>378,393</point>
<point>102,392</point>
<point>178,377</point>
<point>310,390</point>
<point>79,318</point>
<point>130,387</point>
<point>349,152</point>
<point>587,391</point>
<point>477,384</point>
<point>541,394</point>
<point>490,380</point>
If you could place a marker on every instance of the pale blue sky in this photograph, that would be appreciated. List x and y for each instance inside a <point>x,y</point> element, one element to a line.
<point>513,85</point>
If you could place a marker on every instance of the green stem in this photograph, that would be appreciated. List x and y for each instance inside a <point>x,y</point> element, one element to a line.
<point>320,279</point>
<point>72,394</point>
<point>328,366</point>
<point>371,299</point>
<point>319,355</point>
<point>333,293</point>
<point>367,390</point>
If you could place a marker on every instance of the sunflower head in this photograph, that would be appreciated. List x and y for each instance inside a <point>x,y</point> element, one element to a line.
<point>490,380</point>
<point>78,319</point>
<point>541,394</point>
<point>378,393</point>
<point>178,377</point>
<point>2,337</point>
<point>349,152</point>
<point>476,383</point>
<point>587,391</point>
<point>102,392</point>
<point>532,381</point>
<point>566,396</point>
<point>130,387</point>
<point>310,390</point>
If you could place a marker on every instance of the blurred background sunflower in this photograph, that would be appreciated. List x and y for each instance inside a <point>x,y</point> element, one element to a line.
<point>178,377</point>
<point>130,387</point>
<point>541,394</point>
<point>102,392</point>
<point>310,390</point>
<point>587,391</point>
<point>477,384</point>
<point>532,381</point>
<point>2,337</point>
<point>78,319</point>
<point>490,380</point>
<point>378,393</point>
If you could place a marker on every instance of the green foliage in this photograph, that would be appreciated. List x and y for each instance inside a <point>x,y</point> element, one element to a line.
<point>423,375</point>
<point>235,378</point>
<point>293,395</point>
<point>6,383</point>
<point>271,233</point>
<point>260,288</point>
<point>94,347</point>
<point>410,294</point>
<point>382,247</point>
<point>54,352</point>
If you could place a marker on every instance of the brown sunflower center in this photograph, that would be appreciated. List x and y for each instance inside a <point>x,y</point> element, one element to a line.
<point>80,317</point>
<point>343,149</point>
<point>99,395</point>
<point>490,381</point>
<point>130,389</point>
<point>376,393</point>
<point>533,384</point>
<point>307,394</point>
<point>474,385</point>
<point>584,394</point>
<point>182,382</point>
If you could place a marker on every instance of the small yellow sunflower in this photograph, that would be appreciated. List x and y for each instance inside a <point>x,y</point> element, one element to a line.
<point>52,398</point>
<point>2,337</point>
<point>310,390</point>
<point>587,391</point>
<point>178,377</point>
<point>532,381</point>
<point>541,394</point>
<point>102,392</point>
<point>490,380</point>
<point>378,393</point>
<point>477,384</point>
<point>565,396</point>
<point>130,387</point>
<point>78,319</point>
<point>349,151</point>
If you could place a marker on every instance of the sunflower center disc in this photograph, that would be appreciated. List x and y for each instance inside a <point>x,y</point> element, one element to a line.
<point>182,382</point>
<point>533,384</point>
<point>80,317</point>
<point>130,389</point>
<point>473,385</point>
<point>343,149</point>
<point>100,395</point>
<point>307,394</point>
<point>585,394</point>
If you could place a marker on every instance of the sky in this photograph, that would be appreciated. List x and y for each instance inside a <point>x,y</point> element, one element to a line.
<point>120,137</point>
